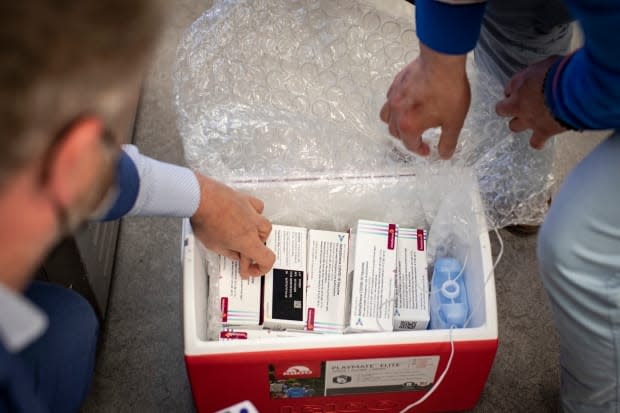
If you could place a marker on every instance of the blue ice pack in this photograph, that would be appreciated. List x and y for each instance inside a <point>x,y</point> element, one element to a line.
<point>448,302</point>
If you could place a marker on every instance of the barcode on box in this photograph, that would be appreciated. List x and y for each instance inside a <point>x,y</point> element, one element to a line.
<point>407,325</point>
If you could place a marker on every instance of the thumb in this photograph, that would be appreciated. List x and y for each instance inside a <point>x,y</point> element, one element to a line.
<point>257,204</point>
<point>513,84</point>
<point>508,106</point>
<point>447,140</point>
<point>257,260</point>
<point>538,139</point>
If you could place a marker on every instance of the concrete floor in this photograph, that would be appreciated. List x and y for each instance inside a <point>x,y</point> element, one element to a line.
<point>140,364</point>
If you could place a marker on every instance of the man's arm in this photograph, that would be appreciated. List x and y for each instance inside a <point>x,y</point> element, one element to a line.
<point>449,27</point>
<point>226,221</point>
<point>583,89</point>
<point>580,91</point>
<point>148,187</point>
<point>433,90</point>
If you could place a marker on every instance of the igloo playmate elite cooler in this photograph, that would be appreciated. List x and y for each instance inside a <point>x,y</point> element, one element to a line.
<point>341,373</point>
<point>281,100</point>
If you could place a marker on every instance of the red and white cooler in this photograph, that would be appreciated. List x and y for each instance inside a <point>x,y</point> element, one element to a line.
<point>342,373</point>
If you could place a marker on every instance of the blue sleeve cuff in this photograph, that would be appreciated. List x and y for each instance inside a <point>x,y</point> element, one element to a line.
<point>550,97</point>
<point>449,28</point>
<point>128,188</point>
<point>555,99</point>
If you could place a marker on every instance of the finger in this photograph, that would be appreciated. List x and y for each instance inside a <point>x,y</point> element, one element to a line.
<point>538,139</point>
<point>508,106</point>
<point>392,125</point>
<point>416,144</point>
<point>513,84</point>
<point>257,204</point>
<point>245,264</point>
<point>233,255</point>
<point>410,132</point>
<point>262,258</point>
<point>385,112</point>
<point>448,139</point>
<point>397,81</point>
<point>517,125</point>
<point>264,229</point>
<point>255,271</point>
<point>508,88</point>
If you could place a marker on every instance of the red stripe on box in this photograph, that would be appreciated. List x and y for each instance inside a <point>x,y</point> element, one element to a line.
<point>233,335</point>
<point>420,236</point>
<point>391,236</point>
<point>310,318</point>
<point>224,308</point>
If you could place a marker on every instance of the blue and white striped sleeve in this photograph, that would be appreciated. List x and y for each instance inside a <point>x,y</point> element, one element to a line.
<point>147,187</point>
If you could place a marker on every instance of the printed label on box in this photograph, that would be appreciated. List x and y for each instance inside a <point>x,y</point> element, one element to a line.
<point>288,294</point>
<point>344,377</point>
<point>373,260</point>
<point>380,375</point>
<point>284,289</point>
<point>239,298</point>
<point>327,281</point>
<point>411,311</point>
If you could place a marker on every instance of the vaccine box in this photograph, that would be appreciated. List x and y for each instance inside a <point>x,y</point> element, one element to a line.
<point>362,372</point>
<point>411,310</point>
<point>240,300</point>
<point>284,290</point>
<point>373,262</point>
<point>327,281</point>
<point>240,333</point>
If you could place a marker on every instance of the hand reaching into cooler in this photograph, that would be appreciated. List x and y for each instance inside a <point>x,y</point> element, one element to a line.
<point>431,91</point>
<point>230,223</point>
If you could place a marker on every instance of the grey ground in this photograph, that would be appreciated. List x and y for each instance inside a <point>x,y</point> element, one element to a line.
<point>140,364</point>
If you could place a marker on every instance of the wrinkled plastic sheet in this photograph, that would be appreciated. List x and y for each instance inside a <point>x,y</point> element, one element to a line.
<point>290,90</point>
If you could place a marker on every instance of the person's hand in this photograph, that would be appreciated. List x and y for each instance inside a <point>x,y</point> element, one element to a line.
<point>525,104</point>
<point>431,91</point>
<point>230,223</point>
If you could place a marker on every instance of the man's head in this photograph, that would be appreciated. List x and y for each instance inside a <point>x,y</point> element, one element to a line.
<point>69,77</point>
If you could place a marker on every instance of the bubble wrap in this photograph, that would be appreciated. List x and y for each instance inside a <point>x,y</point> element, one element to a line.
<point>290,90</point>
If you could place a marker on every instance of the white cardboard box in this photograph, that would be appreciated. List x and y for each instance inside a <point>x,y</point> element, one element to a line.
<point>229,334</point>
<point>239,299</point>
<point>327,284</point>
<point>284,288</point>
<point>373,259</point>
<point>411,311</point>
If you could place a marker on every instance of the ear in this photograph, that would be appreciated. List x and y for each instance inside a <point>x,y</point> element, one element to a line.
<point>72,168</point>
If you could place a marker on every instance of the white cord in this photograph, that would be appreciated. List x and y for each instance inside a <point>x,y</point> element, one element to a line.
<point>445,371</point>
<point>439,380</point>
<point>459,275</point>
<point>488,277</point>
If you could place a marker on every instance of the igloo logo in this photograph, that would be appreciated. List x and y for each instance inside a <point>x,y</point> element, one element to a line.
<point>304,369</point>
<point>297,371</point>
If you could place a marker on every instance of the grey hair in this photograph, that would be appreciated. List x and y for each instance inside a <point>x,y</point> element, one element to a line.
<point>61,59</point>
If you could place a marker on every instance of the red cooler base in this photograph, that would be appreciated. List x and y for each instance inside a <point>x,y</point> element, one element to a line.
<point>221,380</point>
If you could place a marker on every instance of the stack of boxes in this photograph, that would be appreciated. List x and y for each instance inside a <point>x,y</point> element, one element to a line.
<point>372,279</point>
